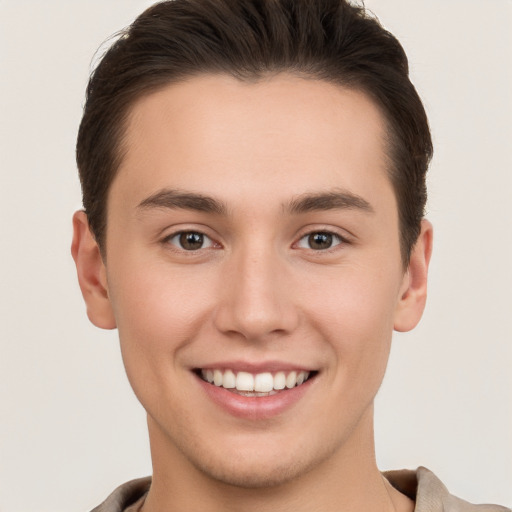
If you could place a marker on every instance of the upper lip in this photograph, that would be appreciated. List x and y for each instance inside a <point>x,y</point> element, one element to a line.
<point>256,367</point>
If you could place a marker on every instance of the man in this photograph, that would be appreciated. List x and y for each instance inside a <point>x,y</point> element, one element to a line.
<point>253,175</point>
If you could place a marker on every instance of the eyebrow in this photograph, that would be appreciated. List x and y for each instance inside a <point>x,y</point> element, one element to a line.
<point>176,199</point>
<point>337,199</point>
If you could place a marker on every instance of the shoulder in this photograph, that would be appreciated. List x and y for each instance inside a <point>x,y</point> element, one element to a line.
<point>431,495</point>
<point>127,497</point>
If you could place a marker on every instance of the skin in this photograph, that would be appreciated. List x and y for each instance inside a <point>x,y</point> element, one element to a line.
<point>257,290</point>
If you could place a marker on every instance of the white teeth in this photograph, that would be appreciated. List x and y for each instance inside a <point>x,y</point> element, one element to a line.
<point>244,381</point>
<point>263,382</point>
<point>229,380</point>
<point>279,380</point>
<point>217,377</point>
<point>291,380</point>
<point>259,383</point>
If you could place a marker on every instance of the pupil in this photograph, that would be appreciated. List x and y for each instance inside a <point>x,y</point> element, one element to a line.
<point>191,241</point>
<point>320,240</point>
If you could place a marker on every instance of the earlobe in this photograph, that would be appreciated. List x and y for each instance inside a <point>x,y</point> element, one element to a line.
<point>91,273</point>
<point>413,294</point>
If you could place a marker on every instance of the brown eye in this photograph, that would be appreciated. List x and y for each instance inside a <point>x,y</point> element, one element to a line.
<point>190,240</point>
<point>319,241</point>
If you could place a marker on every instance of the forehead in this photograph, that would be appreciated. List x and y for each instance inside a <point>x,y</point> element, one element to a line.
<point>284,131</point>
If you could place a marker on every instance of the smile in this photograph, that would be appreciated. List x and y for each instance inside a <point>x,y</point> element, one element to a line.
<point>254,385</point>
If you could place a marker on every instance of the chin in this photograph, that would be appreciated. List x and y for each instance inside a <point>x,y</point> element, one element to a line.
<point>256,474</point>
<point>258,463</point>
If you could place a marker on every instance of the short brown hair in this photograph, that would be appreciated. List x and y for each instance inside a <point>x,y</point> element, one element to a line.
<point>331,40</point>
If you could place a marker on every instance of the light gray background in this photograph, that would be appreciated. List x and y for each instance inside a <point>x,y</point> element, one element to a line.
<point>70,428</point>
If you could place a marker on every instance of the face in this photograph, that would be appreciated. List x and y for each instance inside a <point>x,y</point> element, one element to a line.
<point>253,270</point>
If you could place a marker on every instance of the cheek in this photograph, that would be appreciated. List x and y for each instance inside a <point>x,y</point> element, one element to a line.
<point>358,299</point>
<point>356,316</point>
<point>159,311</point>
<point>157,298</point>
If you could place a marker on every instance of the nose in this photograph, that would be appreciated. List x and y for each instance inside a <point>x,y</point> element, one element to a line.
<point>257,301</point>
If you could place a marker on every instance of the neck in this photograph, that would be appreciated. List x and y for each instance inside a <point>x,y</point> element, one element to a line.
<point>348,480</point>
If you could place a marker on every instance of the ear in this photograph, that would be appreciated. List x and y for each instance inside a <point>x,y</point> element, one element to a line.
<point>92,274</point>
<point>413,292</point>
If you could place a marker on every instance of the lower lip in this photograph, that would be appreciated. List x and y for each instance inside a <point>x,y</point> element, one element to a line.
<point>255,408</point>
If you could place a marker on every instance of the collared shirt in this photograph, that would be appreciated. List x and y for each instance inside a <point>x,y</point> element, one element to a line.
<point>422,486</point>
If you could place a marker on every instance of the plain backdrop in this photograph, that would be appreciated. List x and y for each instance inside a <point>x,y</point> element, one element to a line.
<point>70,427</point>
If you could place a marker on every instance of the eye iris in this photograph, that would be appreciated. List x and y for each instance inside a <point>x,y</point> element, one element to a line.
<point>320,240</point>
<point>191,241</point>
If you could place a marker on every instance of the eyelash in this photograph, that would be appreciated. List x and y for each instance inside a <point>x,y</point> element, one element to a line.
<point>334,238</point>
<point>179,242</point>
